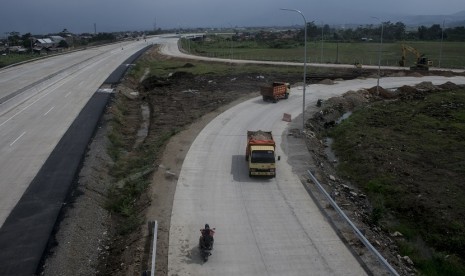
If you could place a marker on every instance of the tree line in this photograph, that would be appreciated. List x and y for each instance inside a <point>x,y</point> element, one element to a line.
<point>391,32</point>
<point>27,40</point>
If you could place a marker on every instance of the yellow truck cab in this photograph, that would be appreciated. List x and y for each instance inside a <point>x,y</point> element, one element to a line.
<point>260,153</point>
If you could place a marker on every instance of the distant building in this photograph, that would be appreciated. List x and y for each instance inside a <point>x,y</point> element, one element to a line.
<point>56,39</point>
<point>17,49</point>
<point>44,43</point>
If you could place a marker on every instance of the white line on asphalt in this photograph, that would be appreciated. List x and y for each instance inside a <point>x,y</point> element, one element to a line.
<point>67,94</point>
<point>45,114</point>
<point>17,139</point>
<point>19,112</point>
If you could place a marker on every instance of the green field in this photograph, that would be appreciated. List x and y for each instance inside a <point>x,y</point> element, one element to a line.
<point>332,52</point>
<point>9,59</point>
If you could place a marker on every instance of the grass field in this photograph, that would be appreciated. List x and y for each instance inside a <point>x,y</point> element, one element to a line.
<point>452,55</point>
<point>6,60</point>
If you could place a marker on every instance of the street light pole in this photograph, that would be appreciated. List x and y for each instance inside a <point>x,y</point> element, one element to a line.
<point>379,54</point>
<point>8,41</point>
<point>305,64</point>
<point>322,27</point>
<point>231,51</point>
<point>442,40</point>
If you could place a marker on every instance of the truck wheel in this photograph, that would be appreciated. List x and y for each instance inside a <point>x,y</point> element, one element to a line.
<point>250,174</point>
<point>264,98</point>
<point>286,96</point>
<point>274,100</point>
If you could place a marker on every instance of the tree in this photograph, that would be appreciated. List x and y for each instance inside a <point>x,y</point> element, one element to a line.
<point>393,31</point>
<point>432,33</point>
<point>435,32</point>
<point>26,40</point>
<point>455,34</point>
<point>422,33</point>
<point>14,38</point>
<point>312,31</point>
<point>399,31</point>
<point>63,44</point>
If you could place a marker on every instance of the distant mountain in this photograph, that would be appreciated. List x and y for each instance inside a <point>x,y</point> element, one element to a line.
<point>451,20</point>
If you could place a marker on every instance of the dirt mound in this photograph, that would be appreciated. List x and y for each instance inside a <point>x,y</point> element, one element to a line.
<point>326,81</point>
<point>181,75</point>
<point>188,65</point>
<point>382,93</point>
<point>334,108</point>
<point>415,74</point>
<point>410,93</point>
<point>397,74</point>
<point>446,73</point>
<point>153,81</point>
<point>426,85</point>
<point>449,86</point>
<point>355,99</point>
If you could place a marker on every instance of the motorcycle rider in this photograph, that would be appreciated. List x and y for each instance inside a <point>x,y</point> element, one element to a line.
<point>206,240</point>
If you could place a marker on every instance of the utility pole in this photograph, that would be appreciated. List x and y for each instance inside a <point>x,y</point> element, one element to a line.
<point>232,30</point>
<point>442,39</point>
<point>305,64</point>
<point>322,27</point>
<point>8,41</point>
<point>379,53</point>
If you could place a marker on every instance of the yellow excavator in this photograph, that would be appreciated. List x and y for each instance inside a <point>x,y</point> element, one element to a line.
<point>422,62</point>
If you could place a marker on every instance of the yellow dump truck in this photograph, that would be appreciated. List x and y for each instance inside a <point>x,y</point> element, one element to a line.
<point>260,153</point>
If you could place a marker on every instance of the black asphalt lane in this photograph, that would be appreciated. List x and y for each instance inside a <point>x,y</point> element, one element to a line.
<point>26,231</point>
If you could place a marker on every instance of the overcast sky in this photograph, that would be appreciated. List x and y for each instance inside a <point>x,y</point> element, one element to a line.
<point>78,16</point>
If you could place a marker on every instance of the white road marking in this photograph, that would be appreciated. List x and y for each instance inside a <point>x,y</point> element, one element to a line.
<point>17,138</point>
<point>19,112</point>
<point>45,114</point>
<point>67,94</point>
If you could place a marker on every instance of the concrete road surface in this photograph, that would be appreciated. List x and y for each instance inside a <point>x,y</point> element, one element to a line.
<point>263,226</point>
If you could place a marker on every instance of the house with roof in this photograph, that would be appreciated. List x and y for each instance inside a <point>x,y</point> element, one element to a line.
<point>44,43</point>
<point>56,39</point>
<point>49,44</point>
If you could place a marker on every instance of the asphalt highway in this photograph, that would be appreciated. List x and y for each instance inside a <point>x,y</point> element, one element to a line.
<point>48,114</point>
<point>39,102</point>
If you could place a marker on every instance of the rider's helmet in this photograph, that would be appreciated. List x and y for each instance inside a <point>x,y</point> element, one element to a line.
<point>207,226</point>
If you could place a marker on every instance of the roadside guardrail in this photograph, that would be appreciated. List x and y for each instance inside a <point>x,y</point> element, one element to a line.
<point>357,232</point>
<point>153,232</point>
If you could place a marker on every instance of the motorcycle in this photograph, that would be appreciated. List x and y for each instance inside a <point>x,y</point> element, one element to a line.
<point>206,243</point>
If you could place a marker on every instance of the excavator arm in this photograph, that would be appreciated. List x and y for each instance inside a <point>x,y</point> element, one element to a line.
<point>422,63</point>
